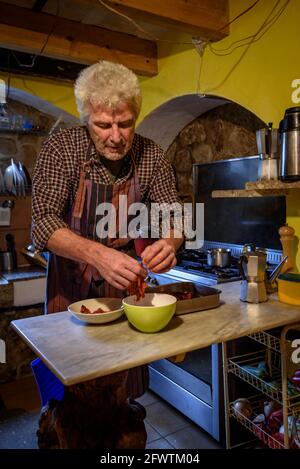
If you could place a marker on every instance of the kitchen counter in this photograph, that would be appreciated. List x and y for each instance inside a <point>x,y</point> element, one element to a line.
<point>23,273</point>
<point>78,352</point>
<point>91,361</point>
<point>11,295</point>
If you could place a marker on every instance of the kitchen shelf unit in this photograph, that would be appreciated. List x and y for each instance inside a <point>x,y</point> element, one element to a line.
<point>236,366</point>
<point>277,354</point>
<point>259,189</point>
<point>256,404</point>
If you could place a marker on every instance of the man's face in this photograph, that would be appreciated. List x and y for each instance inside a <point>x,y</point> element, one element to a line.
<point>112,130</point>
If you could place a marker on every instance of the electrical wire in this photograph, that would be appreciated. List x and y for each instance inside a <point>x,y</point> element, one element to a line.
<point>128,18</point>
<point>150,36</point>
<point>265,23</point>
<point>201,45</point>
<point>31,65</point>
<point>254,39</point>
<point>239,15</point>
<point>198,91</point>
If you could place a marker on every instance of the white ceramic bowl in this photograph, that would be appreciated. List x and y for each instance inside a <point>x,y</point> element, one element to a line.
<point>113,305</point>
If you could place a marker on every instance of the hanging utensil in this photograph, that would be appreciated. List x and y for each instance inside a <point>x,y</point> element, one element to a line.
<point>17,178</point>
<point>23,178</point>
<point>9,179</point>
<point>26,176</point>
<point>2,185</point>
<point>55,124</point>
<point>10,248</point>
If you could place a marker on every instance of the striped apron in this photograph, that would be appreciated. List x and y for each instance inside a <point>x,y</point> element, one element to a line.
<point>69,281</point>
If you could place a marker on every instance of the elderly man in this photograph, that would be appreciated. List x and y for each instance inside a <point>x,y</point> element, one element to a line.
<point>81,167</point>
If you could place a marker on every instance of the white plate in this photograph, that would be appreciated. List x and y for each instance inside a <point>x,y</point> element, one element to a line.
<point>113,305</point>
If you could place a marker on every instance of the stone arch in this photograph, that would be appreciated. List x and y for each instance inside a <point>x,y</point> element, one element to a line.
<point>197,128</point>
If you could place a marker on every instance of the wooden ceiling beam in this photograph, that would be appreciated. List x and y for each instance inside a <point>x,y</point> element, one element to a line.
<point>29,31</point>
<point>203,18</point>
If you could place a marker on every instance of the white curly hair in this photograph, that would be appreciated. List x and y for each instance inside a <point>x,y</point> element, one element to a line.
<point>109,84</point>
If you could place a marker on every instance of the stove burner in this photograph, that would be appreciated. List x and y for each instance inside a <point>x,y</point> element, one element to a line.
<point>190,255</point>
<point>196,262</point>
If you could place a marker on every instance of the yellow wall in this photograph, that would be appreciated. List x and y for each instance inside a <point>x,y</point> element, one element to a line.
<point>261,82</point>
<point>59,93</point>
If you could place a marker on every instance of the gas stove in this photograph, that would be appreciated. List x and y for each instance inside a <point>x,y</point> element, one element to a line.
<point>192,266</point>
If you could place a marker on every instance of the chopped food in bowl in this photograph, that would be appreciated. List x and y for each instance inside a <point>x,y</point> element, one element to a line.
<point>86,310</point>
<point>137,288</point>
<point>97,310</point>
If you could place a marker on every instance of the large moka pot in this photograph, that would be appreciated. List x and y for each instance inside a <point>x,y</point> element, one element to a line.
<point>290,145</point>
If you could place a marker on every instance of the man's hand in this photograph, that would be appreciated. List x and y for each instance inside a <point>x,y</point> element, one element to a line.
<point>117,268</point>
<point>160,256</point>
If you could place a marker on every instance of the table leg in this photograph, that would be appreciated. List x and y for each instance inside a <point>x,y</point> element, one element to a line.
<point>93,414</point>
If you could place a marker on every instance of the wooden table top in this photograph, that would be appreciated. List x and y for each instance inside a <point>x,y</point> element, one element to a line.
<point>77,352</point>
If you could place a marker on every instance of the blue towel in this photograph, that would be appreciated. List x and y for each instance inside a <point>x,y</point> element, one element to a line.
<point>49,386</point>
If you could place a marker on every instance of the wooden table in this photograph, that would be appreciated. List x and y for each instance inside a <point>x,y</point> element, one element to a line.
<point>91,360</point>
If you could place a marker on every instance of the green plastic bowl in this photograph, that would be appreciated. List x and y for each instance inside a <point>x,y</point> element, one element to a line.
<point>151,313</point>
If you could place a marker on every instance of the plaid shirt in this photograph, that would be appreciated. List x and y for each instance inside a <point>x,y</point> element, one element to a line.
<point>56,178</point>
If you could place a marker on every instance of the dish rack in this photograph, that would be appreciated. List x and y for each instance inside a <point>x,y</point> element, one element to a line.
<point>279,357</point>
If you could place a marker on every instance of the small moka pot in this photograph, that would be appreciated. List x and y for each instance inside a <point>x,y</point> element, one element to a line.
<point>253,264</point>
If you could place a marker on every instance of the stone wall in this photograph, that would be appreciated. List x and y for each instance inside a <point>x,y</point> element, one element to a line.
<point>222,133</point>
<point>18,354</point>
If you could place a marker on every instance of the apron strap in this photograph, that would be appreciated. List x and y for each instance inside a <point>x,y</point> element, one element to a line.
<point>81,191</point>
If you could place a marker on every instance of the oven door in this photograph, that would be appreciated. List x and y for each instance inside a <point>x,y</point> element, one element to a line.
<point>194,386</point>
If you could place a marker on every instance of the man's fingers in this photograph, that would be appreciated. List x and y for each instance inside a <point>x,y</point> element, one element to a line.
<point>154,249</point>
<point>167,268</point>
<point>163,254</point>
<point>166,263</point>
<point>117,284</point>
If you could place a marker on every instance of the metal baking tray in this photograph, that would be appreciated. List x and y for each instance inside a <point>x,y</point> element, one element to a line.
<point>204,297</point>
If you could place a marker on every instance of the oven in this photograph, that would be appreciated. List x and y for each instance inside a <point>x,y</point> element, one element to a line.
<point>195,386</point>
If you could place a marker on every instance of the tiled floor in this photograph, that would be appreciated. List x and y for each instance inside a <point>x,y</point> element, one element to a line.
<point>166,428</point>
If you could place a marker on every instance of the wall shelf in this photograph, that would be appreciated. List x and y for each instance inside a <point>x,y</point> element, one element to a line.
<point>38,133</point>
<point>259,189</point>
